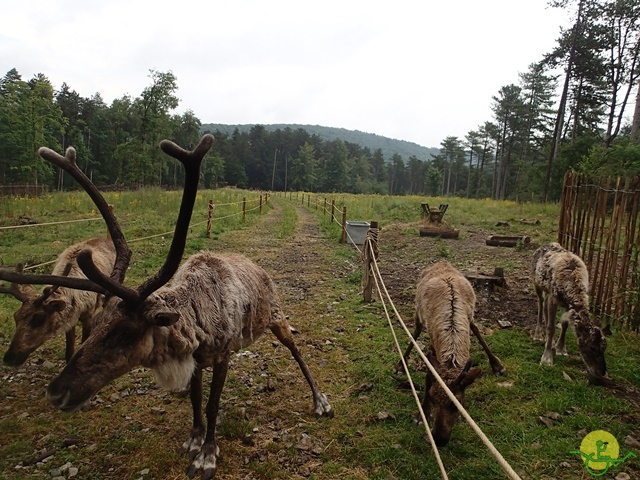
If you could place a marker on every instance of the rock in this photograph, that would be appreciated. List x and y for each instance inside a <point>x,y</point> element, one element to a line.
<point>546,421</point>
<point>309,443</point>
<point>631,442</point>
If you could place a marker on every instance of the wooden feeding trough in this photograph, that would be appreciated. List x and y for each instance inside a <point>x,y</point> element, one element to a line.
<point>432,213</point>
<point>439,231</point>
<point>480,280</point>
<point>507,241</point>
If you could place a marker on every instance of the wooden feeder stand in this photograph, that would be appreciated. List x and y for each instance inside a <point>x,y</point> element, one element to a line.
<point>434,214</point>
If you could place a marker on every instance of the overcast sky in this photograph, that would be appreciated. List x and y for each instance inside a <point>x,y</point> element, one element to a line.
<point>416,70</point>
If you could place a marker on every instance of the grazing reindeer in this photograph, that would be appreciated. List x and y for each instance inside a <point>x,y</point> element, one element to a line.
<point>57,309</point>
<point>216,304</point>
<point>561,278</point>
<point>445,303</point>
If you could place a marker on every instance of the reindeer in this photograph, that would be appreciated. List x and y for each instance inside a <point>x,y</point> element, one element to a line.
<point>445,303</point>
<point>56,309</point>
<point>560,278</point>
<point>215,305</point>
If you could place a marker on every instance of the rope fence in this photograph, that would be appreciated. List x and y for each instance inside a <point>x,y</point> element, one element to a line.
<point>260,201</point>
<point>371,276</point>
<point>385,297</point>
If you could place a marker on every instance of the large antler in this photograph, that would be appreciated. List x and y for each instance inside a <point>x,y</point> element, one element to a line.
<point>68,164</point>
<point>16,276</point>
<point>191,161</point>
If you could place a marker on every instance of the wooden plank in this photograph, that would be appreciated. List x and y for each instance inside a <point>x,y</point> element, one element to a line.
<point>439,232</point>
<point>506,240</point>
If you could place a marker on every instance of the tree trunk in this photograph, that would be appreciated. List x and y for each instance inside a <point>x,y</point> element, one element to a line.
<point>635,125</point>
<point>557,131</point>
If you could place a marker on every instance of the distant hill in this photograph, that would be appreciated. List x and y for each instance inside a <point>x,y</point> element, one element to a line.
<point>389,146</point>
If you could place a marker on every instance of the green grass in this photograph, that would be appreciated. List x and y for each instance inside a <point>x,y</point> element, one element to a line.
<point>353,341</point>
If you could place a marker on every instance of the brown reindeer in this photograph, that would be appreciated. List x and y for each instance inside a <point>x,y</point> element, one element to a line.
<point>57,309</point>
<point>445,303</point>
<point>561,279</point>
<point>215,305</point>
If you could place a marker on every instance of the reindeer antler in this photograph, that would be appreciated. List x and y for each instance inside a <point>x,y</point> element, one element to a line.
<point>13,289</point>
<point>191,161</point>
<point>68,164</point>
<point>13,276</point>
<point>98,282</point>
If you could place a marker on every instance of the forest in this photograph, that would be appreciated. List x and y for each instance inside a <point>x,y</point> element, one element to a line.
<point>571,109</point>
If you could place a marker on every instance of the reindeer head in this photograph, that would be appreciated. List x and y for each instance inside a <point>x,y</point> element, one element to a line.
<point>445,413</point>
<point>592,344</point>
<point>38,319</point>
<point>123,338</point>
<point>123,332</point>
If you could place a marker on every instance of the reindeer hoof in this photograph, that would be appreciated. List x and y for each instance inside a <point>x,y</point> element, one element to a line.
<point>546,360</point>
<point>322,407</point>
<point>206,461</point>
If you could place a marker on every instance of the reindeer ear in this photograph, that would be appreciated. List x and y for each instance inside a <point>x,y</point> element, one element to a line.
<point>54,305</point>
<point>165,319</point>
<point>431,356</point>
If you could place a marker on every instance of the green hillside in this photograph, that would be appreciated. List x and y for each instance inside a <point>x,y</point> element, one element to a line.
<point>389,146</point>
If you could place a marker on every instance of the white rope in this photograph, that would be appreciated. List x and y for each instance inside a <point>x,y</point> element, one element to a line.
<point>413,389</point>
<point>503,463</point>
<point>50,223</point>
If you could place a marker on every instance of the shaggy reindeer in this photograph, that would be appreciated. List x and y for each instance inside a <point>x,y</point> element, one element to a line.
<point>445,303</point>
<point>216,304</point>
<point>56,309</point>
<point>561,278</point>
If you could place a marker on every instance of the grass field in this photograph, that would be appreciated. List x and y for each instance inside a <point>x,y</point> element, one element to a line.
<point>134,429</point>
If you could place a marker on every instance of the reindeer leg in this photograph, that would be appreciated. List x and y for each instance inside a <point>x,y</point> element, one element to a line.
<point>537,335</point>
<point>416,333</point>
<point>283,333</point>
<point>550,309</point>
<point>496,364</point>
<point>70,343</point>
<point>560,346</point>
<point>193,444</point>
<point>207,459</point>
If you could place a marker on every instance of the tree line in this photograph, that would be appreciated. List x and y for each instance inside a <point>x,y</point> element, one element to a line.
<point>569,110</point>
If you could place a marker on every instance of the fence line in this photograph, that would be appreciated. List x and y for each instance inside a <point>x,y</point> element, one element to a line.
<point>208,221</point>
<point>600,224</point>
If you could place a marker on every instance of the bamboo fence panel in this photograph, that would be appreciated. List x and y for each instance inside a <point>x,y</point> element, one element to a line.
<point>600,224</point>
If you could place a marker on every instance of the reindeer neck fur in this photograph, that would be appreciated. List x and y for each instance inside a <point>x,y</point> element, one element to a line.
<point>223,302</point>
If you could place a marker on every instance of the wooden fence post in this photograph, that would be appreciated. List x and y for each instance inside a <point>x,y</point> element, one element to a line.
<point>244,207</point>
<point>370,252</point>
<point>343,238</point>
<point>209,216</point>
<point>325,206</point>
<point>333,211</point>
<point>111,210</point>
<point>260,210</point>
